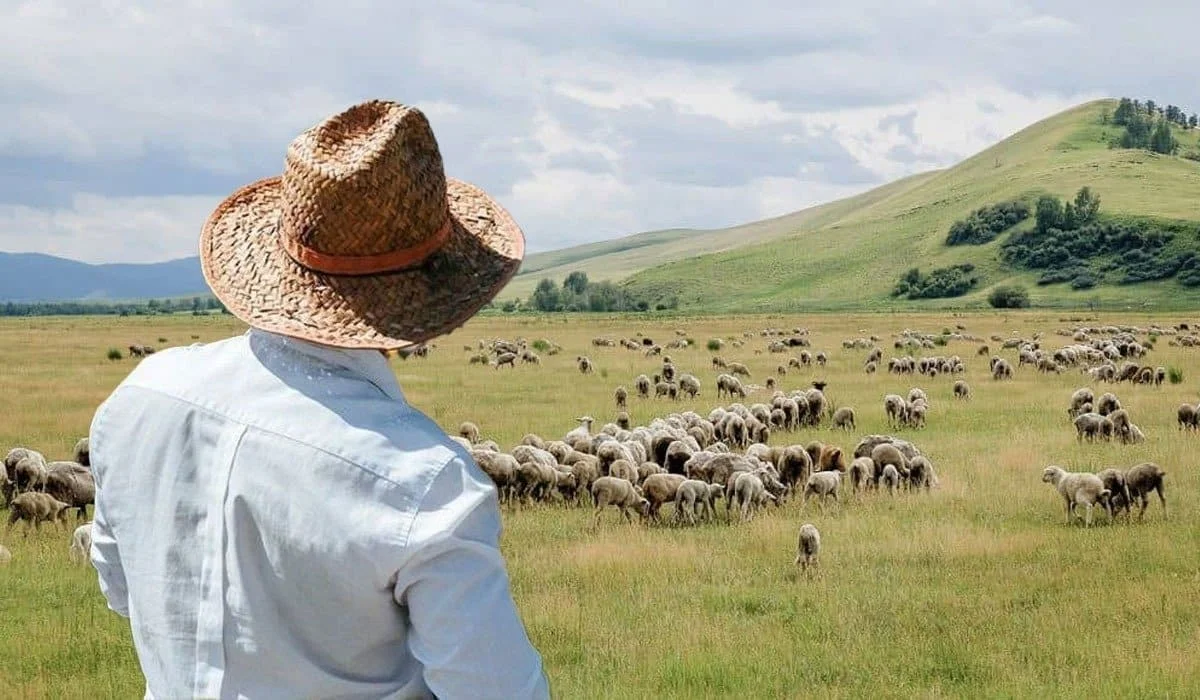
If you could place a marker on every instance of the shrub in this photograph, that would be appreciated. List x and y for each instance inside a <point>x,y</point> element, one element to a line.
<point>1009,297</point>
<point>114,354</point>
<point>162,340</point>
<point>986,223</point>
<point>1083,281</point>
<point>541,345</point>
<point>1174,375</point>
<point>714,344</point>
<point>942,282</point>
<point>604,373</point>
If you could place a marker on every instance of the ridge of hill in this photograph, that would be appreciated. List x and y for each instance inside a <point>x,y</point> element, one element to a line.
<point>31,277</point>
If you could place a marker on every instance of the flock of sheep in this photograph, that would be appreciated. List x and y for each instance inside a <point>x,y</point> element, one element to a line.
<point>36,491</point>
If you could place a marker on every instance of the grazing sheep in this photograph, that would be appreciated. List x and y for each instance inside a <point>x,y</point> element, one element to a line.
<point>660,489</point>
<point>611,491</point>
<point>844,418</point>
<point>822,359</point>
<point>36,508</point>
<point>81,544</point>
<point>749,493</point>
<point>689,385</point>
<point>506,358</point>
<point>1108,403</point>
<point>823,485</point>
<point>73,484</point>
<point>1141,480</point>
<point>696,497</point>
<point>1114,481</point>
<point>469,431</point>
<point>1089,426</point>
<point>795,466</point>
<point>862,471</point>
<point>623,420</point>
<point>737,368</point>
<point>29,474</point>
<point>890,478</point>
<point>1078,488</point>
<point>584,364</point>
<point>808,548</point>
<point>83,454</point>
<point>920,473</point>
<point>501,469</point>
<point>642,384</point>
<point>896,409</point>
<point>533,441</point>
<point>621,395</point>
<point>871,368</point>
<point>962,390</point>
<point>831,459</point>
<point>1079,399</point>
<point>916,414</point>
<point>624,469</point>
<point>886,454</point>
<point>1001,369</point>
<point>1187,415</point>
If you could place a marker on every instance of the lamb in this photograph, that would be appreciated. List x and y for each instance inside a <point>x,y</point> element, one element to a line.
<point>1078,488</point>
<point>749,492</point>
<point>36,508</point>
<point>469,431</point>
<point>823,485</point>
<point>808,548</point>
<point>962,390</point>
<point>696,497</point>
<point>844,418</point>
<point>890,478</point>
<point>621,396</point>
<point>611,491</point>
<point>1114,481</point>
<point>1141,480</point>
<point>81,544</point>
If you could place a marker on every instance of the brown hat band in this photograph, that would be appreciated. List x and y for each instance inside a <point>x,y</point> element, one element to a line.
<point>391,261</point>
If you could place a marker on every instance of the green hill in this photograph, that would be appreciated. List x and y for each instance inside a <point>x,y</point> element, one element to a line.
<point>850,253</point>
<point>619,258</point>
<point>853,260</point>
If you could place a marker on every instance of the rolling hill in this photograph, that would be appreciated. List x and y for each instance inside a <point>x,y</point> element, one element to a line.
<point>850,253</point>
<point>37,277</point>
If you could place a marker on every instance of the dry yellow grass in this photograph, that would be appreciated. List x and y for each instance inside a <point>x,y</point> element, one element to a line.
<point>977,589</point>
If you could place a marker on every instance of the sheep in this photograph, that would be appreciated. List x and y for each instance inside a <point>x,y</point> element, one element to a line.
<point>71,483</point>
<point>822,359</point>
<point>29,474</point>
<point>1078,400</point>
<point>1187,415</point>
<point>896,409</point>
<point>870,368</point>
<point>1089,426</point>
<point>890,478</point>
<point>36,508</point>
<point>530,358</point>
<point>507,358</point>
<point>642,384</point>
<point>81,544</point>
<point>623,420</point>
<point>823,485</point>
<point>883,455</point>
<point>469,431</point>
<point>624,469</point>
<point>694,495</point>
<point>920,473</point>
<point>660,489</point>
<point>844,418</point>
<point>611,491</point>
<point>862,470</point>
<point>916,414</point>
<point>533,440</point>
<point>1141,480</point>
<point>501,469</point>
<point>689,385</point>
<point>962,390</point>
<point>1114,481</point>
<point>1001,370</point>
<point>82,453</point>
<point>1078,488</point>
<point>1108,403</point>
<point>831,459</point>
<point>748,494</point>
<point>808,547</point>
<point>737,368</point>
<point>795,465</point>
<point>915,395</point>
<point>584,364</point>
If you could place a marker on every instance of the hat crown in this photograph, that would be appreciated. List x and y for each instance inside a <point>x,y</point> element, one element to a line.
<point>366,182</point>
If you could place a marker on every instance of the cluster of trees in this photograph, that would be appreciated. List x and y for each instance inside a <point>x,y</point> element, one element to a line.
<point>578,293</point>
<point>149,307</point>
<point>942,282</point>
<point>1072,243</point>
<point>1148,125</point>
<point>985,223</point>
<point>1009,297</point>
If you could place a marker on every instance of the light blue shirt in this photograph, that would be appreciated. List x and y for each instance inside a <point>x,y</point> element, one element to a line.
<point>277,522</point>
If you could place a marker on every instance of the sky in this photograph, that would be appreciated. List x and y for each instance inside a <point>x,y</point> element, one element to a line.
<point>122,124</point>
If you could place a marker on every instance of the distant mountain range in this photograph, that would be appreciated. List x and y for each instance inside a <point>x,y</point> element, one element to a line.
<point>37,277</point>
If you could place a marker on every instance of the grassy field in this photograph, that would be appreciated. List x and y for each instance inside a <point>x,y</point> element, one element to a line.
<point>975,590</point>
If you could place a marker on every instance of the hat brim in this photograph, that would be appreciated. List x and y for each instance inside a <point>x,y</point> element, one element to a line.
<point>244,263</point>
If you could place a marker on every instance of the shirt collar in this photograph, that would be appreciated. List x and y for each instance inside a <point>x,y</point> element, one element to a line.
<point>371,364</point>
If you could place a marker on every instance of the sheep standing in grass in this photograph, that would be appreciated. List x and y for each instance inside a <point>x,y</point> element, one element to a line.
<point>1078,488</point>
<point>1079,399</point>
<point>621,395</point>
<point>808,548</point>
<point>506,358</point>
<point>962,390</point>
<point>81,544</point>
<point>695,498</point>
<point>83,454</point>
<point>1143,479</point>
<point>823,485</point>
<point>469,431</point>
<point>659,489</point>
<point>862,472</point>
<point>36,508</point>
<point>890,478</point>
<point>1114,481</point>
<point>896,409</point>
<point>584,364</point>
<point>642,384</point>
<point>844,418</point>
<point>749,493</point>
<point>611,491</point>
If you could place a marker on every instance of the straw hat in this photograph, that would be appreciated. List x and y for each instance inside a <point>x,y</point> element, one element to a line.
<point>362,242</point>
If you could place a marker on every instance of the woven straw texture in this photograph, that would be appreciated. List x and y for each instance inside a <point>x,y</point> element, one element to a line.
<point>367,182</point>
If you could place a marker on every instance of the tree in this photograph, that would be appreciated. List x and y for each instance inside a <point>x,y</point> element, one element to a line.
<point>1192,120</point>
<point>1087,206</point>
<point>576,283</point>
<point>1150,107</point>
<point>1049,213</point>
<point>1123,112</point>
<point>1009,297</point>
<point>1161,141</point>
<point>546,296</point>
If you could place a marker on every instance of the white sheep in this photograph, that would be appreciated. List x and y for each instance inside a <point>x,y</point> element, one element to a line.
<point>823,485</point>
<point>890,478</point>
<point>1078,488</point>
<point>81,544</point>
<point>808,547</point>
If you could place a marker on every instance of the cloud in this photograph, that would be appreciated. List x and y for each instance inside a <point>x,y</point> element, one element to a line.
<point>125,122</point>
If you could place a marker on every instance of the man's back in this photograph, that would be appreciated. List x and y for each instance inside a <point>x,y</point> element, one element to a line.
<point>286,525</point>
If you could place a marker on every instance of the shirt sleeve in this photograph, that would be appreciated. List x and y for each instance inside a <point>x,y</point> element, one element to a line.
<point>465,629</point>
<point>105,554</point>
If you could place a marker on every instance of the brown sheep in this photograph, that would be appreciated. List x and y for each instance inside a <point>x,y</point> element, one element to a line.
<point>844,418</point>
<point>73,484</point>
<point>36,508</point>
<point>1143,479</point>
<point>832,459</point>
<point>885,454</point>
<point>659,489</point>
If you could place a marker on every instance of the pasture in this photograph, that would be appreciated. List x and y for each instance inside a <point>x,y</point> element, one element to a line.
<point>976,589</point>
